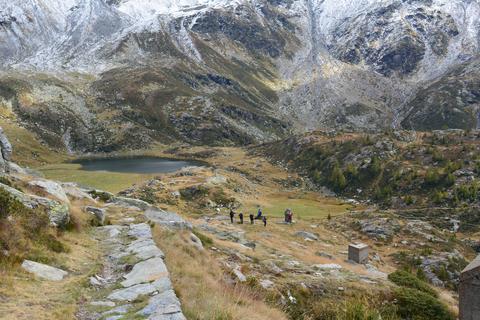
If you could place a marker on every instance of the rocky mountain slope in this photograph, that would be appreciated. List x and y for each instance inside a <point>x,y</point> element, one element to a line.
<point>94,75</point>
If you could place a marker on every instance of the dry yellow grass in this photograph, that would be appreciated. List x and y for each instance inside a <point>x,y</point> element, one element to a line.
<point>22,296</point>
<point>199,282</point>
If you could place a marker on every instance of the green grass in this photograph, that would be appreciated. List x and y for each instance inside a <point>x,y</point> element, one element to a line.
<point>103,180</point>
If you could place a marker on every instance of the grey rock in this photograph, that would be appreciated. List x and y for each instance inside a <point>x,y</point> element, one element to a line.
<point>6,146</point>
<point>131,202</point>
<point>75,192</point>
<point>146,271</point>
<point>110,304</point>
<point>44,271</point>
<point>267,284</point>
<point>161,305</point>
<point>133,292</point>
<point>118,310</point>
<point>197,243</point>
<point>167,219</point>
<point>98,213</point>
<point>306,235</point>
<point>239,275</point>
<point>140,231</point>
<point>52,188</point>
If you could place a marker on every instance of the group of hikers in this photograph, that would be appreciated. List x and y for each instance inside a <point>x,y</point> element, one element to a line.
<point>260,216</point>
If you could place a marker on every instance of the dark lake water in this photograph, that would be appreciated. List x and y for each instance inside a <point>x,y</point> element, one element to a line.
<point>136,165</point>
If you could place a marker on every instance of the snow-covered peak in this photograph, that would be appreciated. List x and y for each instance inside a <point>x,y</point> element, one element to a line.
<point>146,9</point>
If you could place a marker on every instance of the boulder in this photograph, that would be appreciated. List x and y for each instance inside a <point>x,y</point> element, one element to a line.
<point>239,275</point>
<point>6,146</point>
<point>52,188</point>
<point>97,213</point>
<point>75,192</point>
<point>197,243</point>
<point>306,235</point>
<point>44,271</point>
<point>131,202</point>
<point>58,213</point>
<point>167,219</point>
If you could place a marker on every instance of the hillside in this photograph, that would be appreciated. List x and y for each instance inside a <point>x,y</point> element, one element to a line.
<point>121,74</point>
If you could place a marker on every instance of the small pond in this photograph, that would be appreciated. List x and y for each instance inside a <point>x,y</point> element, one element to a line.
<point>143,165</point>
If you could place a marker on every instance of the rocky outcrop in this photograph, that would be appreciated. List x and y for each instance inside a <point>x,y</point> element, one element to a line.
<point>58,212</point>
<point>51,188</point>
<point>5,152</point>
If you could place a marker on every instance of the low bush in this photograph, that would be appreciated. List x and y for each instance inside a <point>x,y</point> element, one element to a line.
<point>25,233</point>
<point>406,279</point>
<point>418,305</point>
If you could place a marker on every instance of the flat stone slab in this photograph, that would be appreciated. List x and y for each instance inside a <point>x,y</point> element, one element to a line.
<point>147,252</point>
<point>140,231</point>
<point>44,271</point>
<point>133,292</point>
<point>146,271</point>
<point>162,306</point>
<point>109,304</point>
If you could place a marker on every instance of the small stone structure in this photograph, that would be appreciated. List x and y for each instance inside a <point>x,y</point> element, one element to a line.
<point>358,253</point>
<point>469,291</point>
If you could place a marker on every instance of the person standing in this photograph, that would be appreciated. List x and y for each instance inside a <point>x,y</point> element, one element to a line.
<point>241,218</point>
<point>251,218</point>
<point>259,214</point>
<point>232,214</point>
<point>264,219</point>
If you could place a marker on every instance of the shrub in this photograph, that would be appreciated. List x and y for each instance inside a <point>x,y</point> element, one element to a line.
<point>194,192</point>
<point>374,168</point>
<point>337,180</point>
<point>406,279</point>
<point>418,305</point>
<point>467,192</point>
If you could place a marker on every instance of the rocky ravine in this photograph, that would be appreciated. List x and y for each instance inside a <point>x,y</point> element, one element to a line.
<point>123,74</point>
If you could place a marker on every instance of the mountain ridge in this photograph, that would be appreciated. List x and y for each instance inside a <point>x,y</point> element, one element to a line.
<point>294,65</point>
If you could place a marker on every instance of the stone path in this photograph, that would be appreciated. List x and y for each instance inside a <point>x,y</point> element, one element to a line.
<point>134,282</point>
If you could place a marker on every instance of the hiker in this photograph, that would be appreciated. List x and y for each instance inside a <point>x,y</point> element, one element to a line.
<point>288,216</point>
<point>241,218</point>
<point>259,214</point>
<point>251,218</point>
<point>264,219</point>
<point>232,214</point>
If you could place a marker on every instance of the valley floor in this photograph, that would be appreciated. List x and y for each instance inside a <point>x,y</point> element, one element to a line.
<point>239,271</point>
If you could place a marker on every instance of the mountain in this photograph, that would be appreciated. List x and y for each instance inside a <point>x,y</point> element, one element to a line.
<point>102,75</point>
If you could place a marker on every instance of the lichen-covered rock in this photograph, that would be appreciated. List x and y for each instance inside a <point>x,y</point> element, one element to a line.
<point>52,188</point>
<point>97,213</point>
